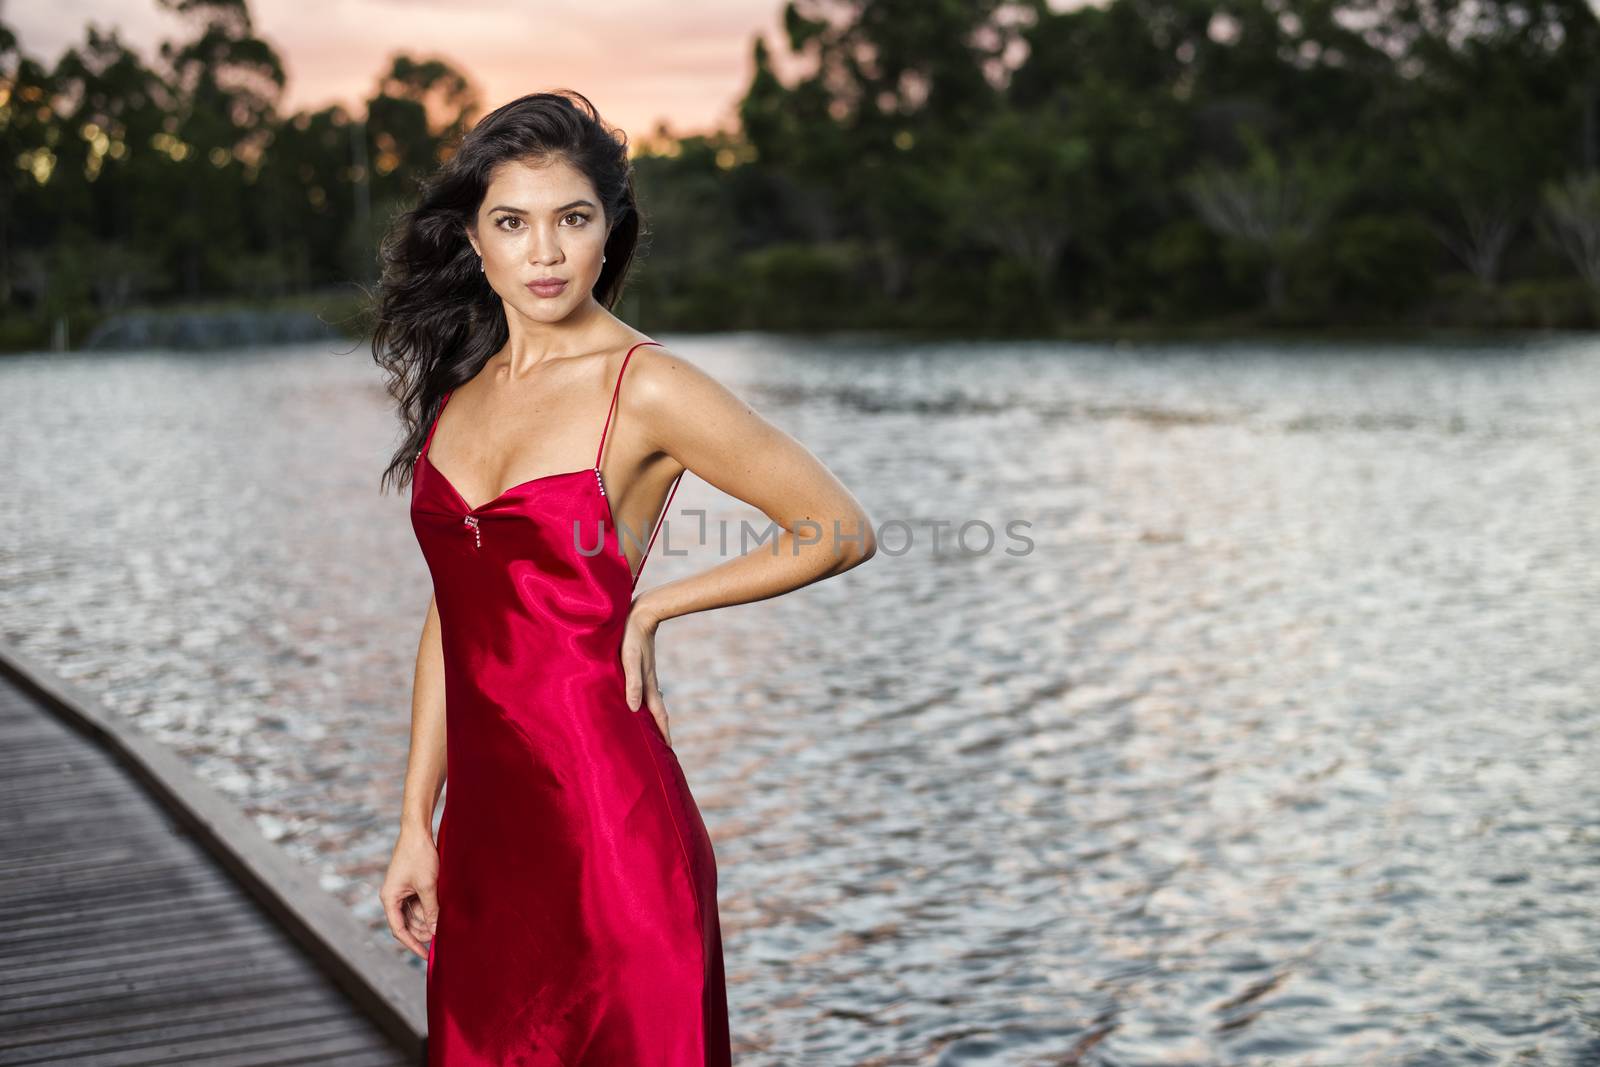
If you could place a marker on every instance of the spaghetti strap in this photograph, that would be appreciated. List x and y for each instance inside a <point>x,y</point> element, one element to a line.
<point>435,425</point>
<point>615,390</point>
<point>664,509</point>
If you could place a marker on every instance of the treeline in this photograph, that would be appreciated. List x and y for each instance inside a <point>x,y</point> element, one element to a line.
<point>980,166</point>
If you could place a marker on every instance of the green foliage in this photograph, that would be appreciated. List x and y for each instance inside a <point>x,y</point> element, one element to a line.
<point>1573,207</point>
<point>945,166</point>
<point>1377,264</point>
<point>800,286</point>
<point>1535,303</point>
<point>131,182</point>
<point>1193,284</point>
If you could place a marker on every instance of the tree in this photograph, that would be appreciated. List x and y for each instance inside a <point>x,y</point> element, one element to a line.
<point>28,129</point>
<point>1271,205</point>
<point>1015,187</point>
<point>227,83</point>
<point>1573,208</point>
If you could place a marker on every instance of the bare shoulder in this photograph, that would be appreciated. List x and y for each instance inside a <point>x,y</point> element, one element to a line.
<point>657,372</point>
<point>690,415</point>
<point>664,386</point>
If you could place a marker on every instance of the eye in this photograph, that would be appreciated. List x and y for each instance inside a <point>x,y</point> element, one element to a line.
<point>576,215</point>
<point>507,218</point>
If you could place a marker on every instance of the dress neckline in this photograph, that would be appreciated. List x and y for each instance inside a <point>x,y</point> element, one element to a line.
<point>470,513</point>
<point>444,480</point>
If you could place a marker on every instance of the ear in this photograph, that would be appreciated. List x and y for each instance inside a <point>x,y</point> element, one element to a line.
<point>472,239</point>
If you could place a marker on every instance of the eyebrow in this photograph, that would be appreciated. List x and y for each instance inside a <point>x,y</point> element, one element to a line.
<point>563,207</point>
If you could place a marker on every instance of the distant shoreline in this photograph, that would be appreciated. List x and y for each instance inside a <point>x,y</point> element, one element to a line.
<point>237,323</point>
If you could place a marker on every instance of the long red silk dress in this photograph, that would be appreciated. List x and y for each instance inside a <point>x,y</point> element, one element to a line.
<point>577,886</point>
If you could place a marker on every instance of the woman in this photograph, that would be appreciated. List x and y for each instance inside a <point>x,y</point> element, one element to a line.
<point>569,905</point>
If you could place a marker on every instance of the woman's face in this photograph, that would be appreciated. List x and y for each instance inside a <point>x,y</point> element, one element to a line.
<point>539,222</point>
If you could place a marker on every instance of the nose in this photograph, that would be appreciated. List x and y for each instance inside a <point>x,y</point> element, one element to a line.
<point>545,246</point>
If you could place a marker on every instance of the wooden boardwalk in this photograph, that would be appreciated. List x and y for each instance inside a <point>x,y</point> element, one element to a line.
<point>122,939</point>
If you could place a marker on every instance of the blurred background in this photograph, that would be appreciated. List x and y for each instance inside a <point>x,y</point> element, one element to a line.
<point>1267,737</point>
<point>854,164</point>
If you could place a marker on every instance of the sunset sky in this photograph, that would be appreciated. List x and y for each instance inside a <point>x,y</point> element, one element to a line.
<point>640,62</point>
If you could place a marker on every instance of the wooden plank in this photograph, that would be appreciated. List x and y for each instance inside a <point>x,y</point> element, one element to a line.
<point>124,907</point>
<point>329,1047</point>
<point>112,957</point>
<point>136,929</point>
<point>111,952</point>
<point>56,1033</point>
<point>176,1023</point>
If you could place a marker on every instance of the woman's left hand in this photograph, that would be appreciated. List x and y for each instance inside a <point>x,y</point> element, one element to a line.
<point>639,666</point>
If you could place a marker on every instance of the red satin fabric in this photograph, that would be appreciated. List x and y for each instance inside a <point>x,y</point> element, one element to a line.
<point>577,885</point>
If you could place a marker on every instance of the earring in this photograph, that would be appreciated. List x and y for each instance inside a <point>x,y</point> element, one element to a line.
<point>602,259</point>
<point>480,262</point>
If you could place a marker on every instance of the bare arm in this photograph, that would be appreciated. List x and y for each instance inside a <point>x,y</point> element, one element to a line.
<point>408,894</point>
<point>823,529</point>
<point>425,769</point>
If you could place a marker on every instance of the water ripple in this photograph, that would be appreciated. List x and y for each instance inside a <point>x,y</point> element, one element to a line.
<point>1274,743</point>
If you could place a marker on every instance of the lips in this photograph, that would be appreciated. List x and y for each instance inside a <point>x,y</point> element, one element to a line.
<point>541,288</point>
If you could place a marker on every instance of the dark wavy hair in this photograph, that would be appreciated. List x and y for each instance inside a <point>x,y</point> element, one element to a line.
<point>436,319</point>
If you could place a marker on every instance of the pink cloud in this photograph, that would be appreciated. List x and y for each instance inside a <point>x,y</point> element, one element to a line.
<point>641,63</point>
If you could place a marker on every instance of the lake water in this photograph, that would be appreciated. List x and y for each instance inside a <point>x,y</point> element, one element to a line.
<point>1271,739</point>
